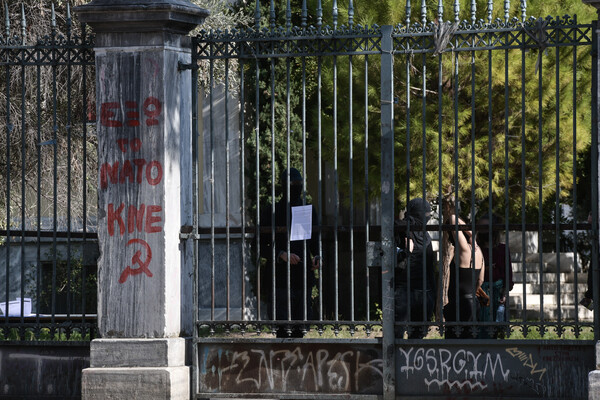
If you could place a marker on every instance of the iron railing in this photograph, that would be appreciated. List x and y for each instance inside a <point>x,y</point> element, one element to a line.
<point>48,166</point>
<point>487,117</point>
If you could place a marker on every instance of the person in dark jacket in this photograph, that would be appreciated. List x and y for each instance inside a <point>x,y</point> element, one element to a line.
<point>295,261</point>
<point>415,282</point>
<point>498,275</point>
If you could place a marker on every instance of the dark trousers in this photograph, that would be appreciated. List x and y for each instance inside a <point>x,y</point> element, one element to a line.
<point>417,297</point>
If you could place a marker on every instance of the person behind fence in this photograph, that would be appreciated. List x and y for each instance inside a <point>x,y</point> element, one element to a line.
<point>464,283</point>
<point>588,296</point>
<point>414,274</point>
<point>300,297</point>
<point>496,282</point>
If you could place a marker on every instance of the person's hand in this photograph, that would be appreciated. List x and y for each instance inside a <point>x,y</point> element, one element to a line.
<point>502,300</point>
<point>316,262</point>
<point>294,259</point>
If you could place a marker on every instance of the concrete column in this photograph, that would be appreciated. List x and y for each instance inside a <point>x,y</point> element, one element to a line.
<point>144,155</point>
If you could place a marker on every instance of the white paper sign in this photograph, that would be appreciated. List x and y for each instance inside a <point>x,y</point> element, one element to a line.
<point>301,223</point>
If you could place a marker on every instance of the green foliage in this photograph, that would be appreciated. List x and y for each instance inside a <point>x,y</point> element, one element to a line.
<point>497,128</point>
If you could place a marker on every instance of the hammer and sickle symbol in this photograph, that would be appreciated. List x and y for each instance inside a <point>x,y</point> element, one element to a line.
<point>136,259</point>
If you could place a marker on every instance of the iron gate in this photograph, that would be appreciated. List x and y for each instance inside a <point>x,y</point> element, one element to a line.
<point>484,116</point>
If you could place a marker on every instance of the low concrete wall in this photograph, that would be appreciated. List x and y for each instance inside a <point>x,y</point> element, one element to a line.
<point>42,370</point>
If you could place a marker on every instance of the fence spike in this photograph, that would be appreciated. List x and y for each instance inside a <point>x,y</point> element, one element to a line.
<point>23,24</point>
<point>319,14</point>
<point>424,12</point>
<point>351,13</point>
<point>272,15</point>
<point>408,12</point>
<point>440,11</point>
<point>288,15</point>
<point>304,14</point>
<point>456,11</point>
<point>506,10</point>
<point>335,14</point>
<point>490,11</point>
<point>53,19</point>
<point>257,16</point>
<point>473,11</point>
<point>6,20</point>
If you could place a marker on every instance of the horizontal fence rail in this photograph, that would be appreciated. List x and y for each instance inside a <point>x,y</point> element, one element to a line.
<point>48,164</point>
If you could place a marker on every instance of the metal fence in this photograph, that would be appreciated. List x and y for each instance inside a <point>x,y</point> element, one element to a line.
<point>48,166</point>
<point>487,116</point>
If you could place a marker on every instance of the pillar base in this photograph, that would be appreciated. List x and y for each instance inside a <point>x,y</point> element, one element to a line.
<point>160,383</point>
<point>137,369</point>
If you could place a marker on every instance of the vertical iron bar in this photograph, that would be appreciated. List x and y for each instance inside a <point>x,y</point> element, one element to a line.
<point>8,172</point>
<point>440,300</point>
<point>304,15</point>
<point>273,250</point>
<point>523,188</point>
<point>595,131</point>
<point>320,179</point>
<point>456,188</point>
<point>523,10</point>
<point>351,189</point>
<point>257,16</point>
<point>212,186</point>
<point>39,193</point>
<point>84,181</point>
<point>242,186</point>
<point>574,213</point>
<point>408,194</point>
<point>69,152</point>
<point>424,167</point>
<point>287,207</point>
<point>55,165</point>
<point>227,194</point>
<point>557,212</point>
<point>473,126</point>
<point>490,232</point>
<point>408,12</point>
<point>257,231</point>
<point>367,202</point>
<point>335,15</point>
<point>440,11</point>
<point>335,194</point>
<point>306,259</point>
<point>387,206</point>
<point>423,12</point>
<point>23,199</point>
<point>540,191</point>
<point>456,11</point>
<point>506,198</point>
<point>351,13</point>
<point>506,10</point>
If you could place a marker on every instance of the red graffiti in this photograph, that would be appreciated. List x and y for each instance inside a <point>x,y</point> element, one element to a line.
<point>136,259</point>
<point>143,219</point>
<point>152,107</point>
<point>131,171</point>
<point>134,144</point>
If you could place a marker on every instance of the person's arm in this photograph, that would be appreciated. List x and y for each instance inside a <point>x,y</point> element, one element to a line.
<point>461,240</point>
<point>481,277</point>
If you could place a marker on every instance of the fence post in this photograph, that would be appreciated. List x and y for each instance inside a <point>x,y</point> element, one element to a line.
<point>387,217</point>
<point>594,376</point>
<point>144,134</point>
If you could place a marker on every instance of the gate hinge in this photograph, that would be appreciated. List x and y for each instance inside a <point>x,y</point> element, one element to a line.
<point>187,232</point>
<point>183,66</point>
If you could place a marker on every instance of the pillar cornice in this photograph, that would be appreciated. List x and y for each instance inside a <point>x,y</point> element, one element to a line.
<point>112,16</point>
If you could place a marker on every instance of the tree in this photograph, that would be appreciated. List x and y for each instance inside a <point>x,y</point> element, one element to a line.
<point>521,138</point>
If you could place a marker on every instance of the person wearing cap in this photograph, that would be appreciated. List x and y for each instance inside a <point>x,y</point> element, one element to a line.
<point>301,265</point>
<point>415,286</point>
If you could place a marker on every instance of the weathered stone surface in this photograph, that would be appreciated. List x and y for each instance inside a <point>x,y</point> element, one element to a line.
<point>136,383</point>
<point>113,353</point>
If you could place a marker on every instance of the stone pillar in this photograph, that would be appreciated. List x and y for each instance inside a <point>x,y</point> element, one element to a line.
<point>144,155</point>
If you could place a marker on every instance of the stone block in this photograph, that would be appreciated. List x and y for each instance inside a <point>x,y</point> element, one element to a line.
<point>112,353</point>
<point>171,383</point>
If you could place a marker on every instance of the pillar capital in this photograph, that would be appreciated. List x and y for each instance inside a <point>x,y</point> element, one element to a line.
<point>174,16</point>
